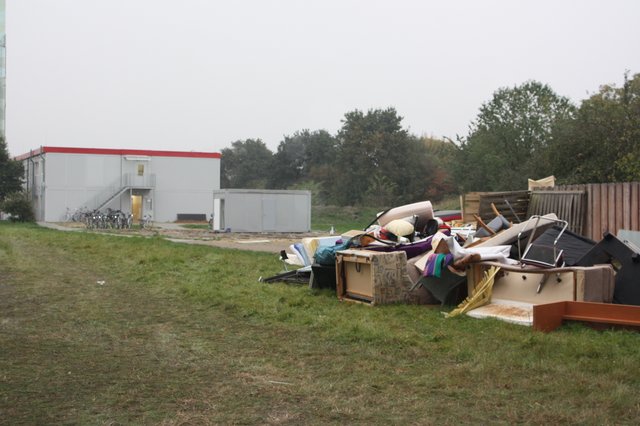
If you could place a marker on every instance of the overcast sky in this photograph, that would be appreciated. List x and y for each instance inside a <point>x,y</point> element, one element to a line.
<point>196,75</point>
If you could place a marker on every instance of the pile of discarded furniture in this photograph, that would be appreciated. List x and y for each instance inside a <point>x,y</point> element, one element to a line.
<point>534,271</point>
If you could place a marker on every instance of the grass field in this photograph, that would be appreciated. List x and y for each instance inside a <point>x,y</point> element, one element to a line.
<point>99,329</point>
<point>347,218</point>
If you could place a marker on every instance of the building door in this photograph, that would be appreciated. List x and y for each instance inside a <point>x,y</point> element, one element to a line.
<point>136,207</point>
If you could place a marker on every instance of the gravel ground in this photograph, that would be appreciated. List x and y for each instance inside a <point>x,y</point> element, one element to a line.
<point>268,242</point>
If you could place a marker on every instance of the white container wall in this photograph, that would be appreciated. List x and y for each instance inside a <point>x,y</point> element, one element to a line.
<point>162,184</point>
<point>258,210</point>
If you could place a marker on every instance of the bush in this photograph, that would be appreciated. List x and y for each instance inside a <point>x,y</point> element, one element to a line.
<point>18,205</point>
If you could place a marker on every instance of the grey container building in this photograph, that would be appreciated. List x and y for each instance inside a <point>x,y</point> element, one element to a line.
<point>260,210</point>
<point>162,184</point>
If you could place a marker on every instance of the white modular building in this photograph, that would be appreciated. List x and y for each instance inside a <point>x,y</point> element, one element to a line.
<point>261,210</point>
<point>167,185</point>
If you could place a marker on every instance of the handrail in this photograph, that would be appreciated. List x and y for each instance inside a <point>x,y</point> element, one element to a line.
<point>125,181</point>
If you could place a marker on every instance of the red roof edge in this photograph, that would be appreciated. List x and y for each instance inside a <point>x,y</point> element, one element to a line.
<point>107,151</point>
<point>29,154</point>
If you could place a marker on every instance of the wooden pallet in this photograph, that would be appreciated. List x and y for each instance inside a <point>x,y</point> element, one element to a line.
<point>480,203</point>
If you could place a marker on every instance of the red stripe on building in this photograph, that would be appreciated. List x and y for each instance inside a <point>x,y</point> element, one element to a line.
<point>106,151</point>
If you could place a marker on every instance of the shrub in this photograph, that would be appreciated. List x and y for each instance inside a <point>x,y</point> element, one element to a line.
<point>18,205</point>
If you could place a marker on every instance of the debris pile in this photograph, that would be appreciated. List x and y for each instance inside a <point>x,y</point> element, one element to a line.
<point>500,268</point>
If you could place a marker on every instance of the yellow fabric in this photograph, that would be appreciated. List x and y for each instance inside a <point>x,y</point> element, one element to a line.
<point>481,294</point>
<point>400,227</point>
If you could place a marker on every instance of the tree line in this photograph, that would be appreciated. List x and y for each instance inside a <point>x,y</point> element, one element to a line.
<point>371,160</point>
<point>526,131</point>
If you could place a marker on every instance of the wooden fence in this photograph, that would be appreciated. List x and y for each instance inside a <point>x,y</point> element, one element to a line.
<point>610,207</point>
<point>590,209</point>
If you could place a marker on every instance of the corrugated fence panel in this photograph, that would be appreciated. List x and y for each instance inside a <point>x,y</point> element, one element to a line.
<point>609,207</point>
<point>567,205</point>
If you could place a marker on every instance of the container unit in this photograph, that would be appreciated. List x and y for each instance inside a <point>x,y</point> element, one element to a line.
<point>260,210</point>
<point>162,184</point>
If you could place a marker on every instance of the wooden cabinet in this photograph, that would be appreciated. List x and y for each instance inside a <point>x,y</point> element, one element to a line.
<point>373,277</point>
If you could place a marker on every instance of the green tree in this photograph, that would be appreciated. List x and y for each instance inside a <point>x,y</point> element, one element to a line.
<point>377,159</point>
<point>507,141</point>
<point>11,172</point>
<point>602,142</point>
<point>305,156</point>
<point>443,155</point>
<point>247,164</point>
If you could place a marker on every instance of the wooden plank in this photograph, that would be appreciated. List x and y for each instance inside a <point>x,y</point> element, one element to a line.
<point>596,209</point>
<point>611,213</point>
<point>604,218</point>
<point>481,224</point>
<point>576,208</point>
<point>563,206</point>
<point>582,207</point>
<point>579,206</point>
<point>586,225</point>
<point>533,204</point>
<point>549,316</point>
<point>635,206</point>
<point>563,192</point>
<point>626,205</point>
<point>516,198</point>
<point>618,208</point>
<point>471,202</point>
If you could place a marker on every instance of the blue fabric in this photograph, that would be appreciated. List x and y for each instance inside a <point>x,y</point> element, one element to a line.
<point>302,253</point>
<point>327,255</point>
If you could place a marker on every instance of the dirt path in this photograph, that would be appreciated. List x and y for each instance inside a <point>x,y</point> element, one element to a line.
<point>266,242</point>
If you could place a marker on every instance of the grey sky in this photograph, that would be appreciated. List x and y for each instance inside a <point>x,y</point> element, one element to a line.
<point>200,74</point>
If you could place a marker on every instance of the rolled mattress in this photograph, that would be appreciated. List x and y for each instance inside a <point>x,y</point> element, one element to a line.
<point>422,209</point>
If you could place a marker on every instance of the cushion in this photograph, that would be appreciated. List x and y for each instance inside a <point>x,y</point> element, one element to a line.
<point>400,227</point>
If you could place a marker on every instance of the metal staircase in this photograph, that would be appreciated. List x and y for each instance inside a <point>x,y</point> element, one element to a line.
<point>126,182</point>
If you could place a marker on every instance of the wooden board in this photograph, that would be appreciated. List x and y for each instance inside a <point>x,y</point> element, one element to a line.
<point>548,317</point>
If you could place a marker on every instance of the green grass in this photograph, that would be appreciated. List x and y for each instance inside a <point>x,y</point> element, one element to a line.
<point>341,218</point>
<point>450,203</point>
<point>181,334</point>
<point>347,218</point>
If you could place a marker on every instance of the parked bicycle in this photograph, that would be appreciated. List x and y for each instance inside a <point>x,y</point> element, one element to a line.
<point>117,219</point>
<point>111,219</point>
<point>78,215</point>
<point>146,222</point>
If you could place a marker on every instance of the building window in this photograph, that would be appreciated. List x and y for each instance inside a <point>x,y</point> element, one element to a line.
<point>140,169</point>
